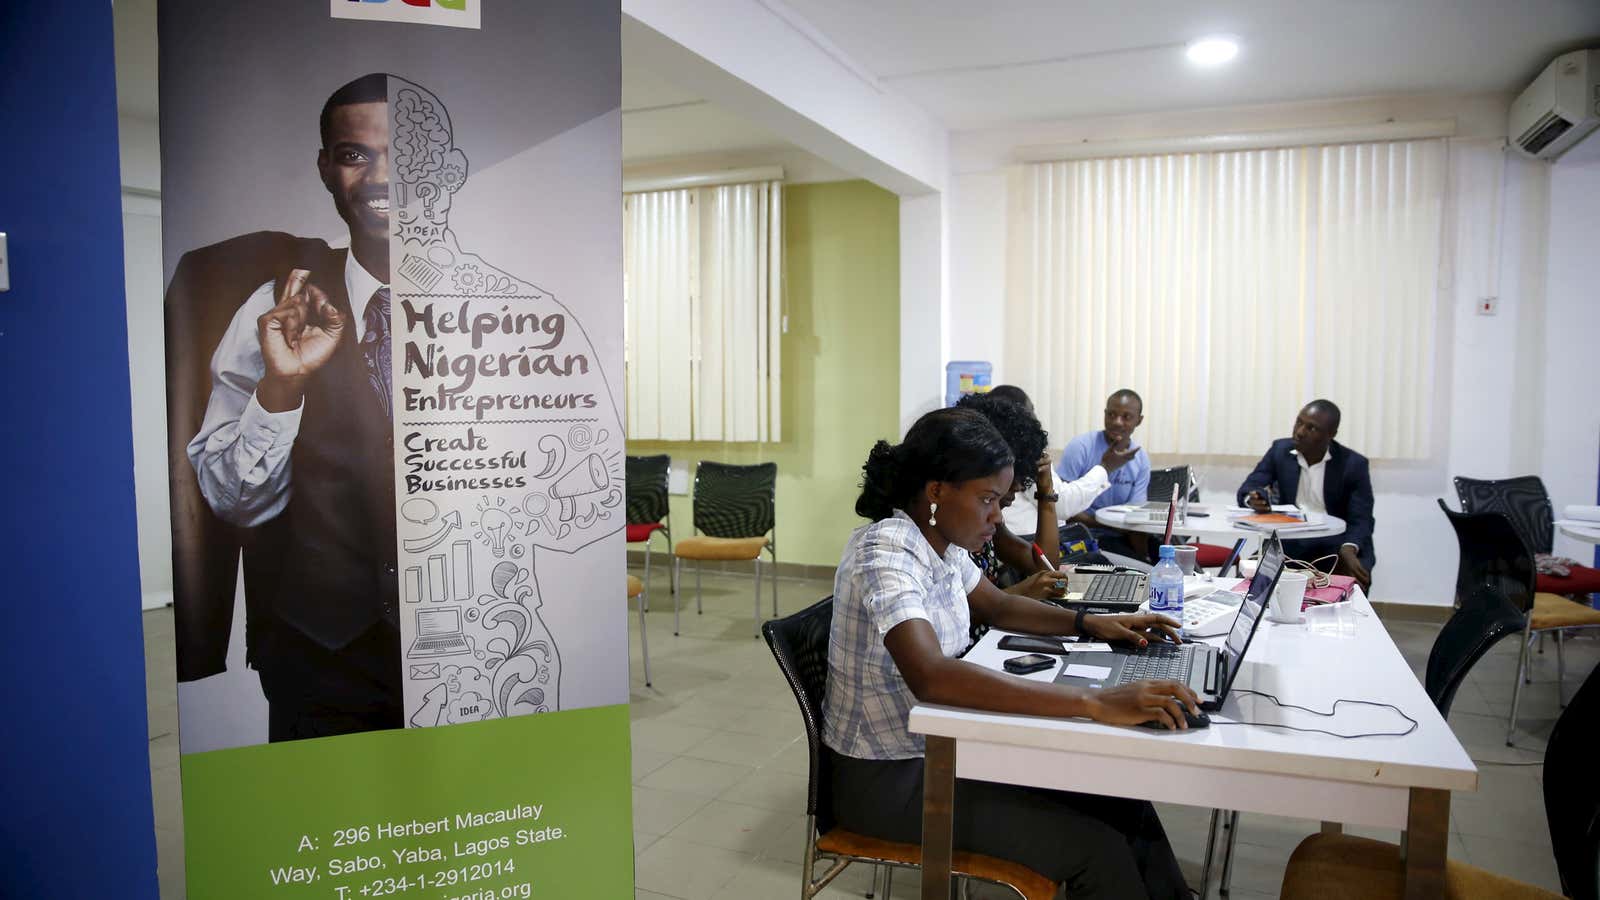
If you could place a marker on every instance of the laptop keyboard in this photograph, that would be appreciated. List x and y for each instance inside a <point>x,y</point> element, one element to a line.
<point>438,643</point>
<point>1157,661</point>
<point>1122,587</point>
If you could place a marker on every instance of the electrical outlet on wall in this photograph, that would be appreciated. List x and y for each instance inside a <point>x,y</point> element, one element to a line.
<point>1488,306</point>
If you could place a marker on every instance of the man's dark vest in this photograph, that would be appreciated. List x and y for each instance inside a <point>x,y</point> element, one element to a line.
<point>334,545</point>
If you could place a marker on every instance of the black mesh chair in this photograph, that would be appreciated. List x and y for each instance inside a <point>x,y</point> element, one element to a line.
<point>648,508</point>
<point>1524,505</point>
<point>1333,866</point>
<point>734,519</point>
<point>800,645</point>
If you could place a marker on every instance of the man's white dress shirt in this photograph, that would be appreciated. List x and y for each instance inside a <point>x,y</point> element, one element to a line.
<point>241,454</point>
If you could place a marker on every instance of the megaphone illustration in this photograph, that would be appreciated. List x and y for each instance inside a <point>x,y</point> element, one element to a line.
<point>589,476</point>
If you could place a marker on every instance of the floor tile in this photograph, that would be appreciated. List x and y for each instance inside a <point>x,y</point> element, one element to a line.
<point>659,811</point>
<point>695,776</point>
<point>741,749</point>
<point>680,868</point>
<point>734,826</point>
<point>769,789</point>
<point>1530,862</point>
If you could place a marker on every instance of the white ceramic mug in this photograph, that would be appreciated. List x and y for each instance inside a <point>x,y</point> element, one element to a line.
<point>1288,596</point>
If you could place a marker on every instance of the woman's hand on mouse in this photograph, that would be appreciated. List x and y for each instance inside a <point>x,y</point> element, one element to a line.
<point>1138,628</point>
<point>1163,702</point>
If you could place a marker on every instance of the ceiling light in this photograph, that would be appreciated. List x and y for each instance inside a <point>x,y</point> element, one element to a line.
<point>1213,51</point>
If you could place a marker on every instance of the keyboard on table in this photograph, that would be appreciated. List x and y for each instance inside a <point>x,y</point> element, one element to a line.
<point>1156,661</point>
<point>1121,587</point>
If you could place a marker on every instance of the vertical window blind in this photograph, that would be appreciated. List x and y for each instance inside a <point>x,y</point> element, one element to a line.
<point>702,282</point>
<point>1230,288</point>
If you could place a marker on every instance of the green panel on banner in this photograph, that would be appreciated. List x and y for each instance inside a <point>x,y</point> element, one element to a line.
<point>528,806</point>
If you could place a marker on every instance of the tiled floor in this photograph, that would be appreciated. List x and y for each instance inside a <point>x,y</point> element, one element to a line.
<point>719,767</point>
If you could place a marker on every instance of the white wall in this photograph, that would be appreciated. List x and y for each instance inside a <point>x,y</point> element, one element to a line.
<point>1508,397</point>
<point>1571,448</point>
<point>141,239</point>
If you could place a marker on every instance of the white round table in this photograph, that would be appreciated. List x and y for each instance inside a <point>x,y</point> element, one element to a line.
<point>1588,532</point>
<point>1216,527</point>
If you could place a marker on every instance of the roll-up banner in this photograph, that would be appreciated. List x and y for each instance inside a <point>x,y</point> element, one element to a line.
<point>392,246</point>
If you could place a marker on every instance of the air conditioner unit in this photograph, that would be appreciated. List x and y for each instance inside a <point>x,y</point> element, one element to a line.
<point>1560,108</point>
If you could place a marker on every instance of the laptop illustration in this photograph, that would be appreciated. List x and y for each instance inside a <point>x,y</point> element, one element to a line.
<point>1209,671</point>
<point>438,634</point>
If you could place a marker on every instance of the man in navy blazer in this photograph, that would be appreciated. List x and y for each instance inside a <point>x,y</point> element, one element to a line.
<point>1321,475</point>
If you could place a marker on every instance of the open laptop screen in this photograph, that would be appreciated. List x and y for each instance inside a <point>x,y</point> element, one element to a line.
<point>1254,605</point>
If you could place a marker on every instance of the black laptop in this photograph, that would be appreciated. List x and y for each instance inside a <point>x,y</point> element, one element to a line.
<point>1209,671</point>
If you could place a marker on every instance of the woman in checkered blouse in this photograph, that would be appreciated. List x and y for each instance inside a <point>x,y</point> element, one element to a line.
<point>905,595</point>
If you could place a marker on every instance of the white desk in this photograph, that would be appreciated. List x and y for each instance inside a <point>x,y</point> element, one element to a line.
<point>1588,532</point>
<point>1340,651</point>
<point>1214,528</point>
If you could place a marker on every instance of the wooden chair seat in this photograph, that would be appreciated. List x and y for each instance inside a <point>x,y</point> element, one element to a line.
<point>1026,881</point>
<point>1552,611</point>
<point>711,548</point>
<point>1343,867</point>
<point>635,587</point>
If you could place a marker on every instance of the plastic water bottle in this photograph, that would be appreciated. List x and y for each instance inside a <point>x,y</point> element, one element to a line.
<point>1166,585</point>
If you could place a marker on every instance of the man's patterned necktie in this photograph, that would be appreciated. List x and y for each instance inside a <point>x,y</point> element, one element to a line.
<point>377,349</point>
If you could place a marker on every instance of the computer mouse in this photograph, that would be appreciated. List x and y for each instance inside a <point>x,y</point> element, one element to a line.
<point>1195,721</point>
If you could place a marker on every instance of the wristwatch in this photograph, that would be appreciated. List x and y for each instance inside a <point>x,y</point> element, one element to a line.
<point>1045,498</point>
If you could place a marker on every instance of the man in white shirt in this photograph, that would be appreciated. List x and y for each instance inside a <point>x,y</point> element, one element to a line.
<point>1321,475</point>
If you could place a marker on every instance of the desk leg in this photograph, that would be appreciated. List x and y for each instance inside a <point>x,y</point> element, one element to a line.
<point>938,813</point>
<point>1427,842</point>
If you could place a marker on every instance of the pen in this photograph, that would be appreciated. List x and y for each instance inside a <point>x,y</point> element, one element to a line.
<point>1042,558</point>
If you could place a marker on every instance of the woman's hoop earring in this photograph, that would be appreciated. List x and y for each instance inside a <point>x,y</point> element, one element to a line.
<point>933,512</point>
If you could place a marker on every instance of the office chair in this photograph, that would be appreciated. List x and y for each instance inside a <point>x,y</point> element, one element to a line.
<point>640,589</point>
<point>800,645</point>
<point>1338,866</point>
<point>734,507</point>
<point>648,508</point>
<point>1524,507</point>
<point>1526,503</point>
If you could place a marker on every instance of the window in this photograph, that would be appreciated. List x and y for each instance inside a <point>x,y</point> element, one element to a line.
<point>1230,288</point>
<point>703,281</point>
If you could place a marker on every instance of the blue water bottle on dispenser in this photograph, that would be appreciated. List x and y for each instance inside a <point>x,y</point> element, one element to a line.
<point>1166,585</point>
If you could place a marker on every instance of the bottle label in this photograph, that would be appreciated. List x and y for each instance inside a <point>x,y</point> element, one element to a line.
<point>1166,598</point>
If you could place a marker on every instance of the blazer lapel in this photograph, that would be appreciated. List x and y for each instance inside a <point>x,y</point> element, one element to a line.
<point>1333,478</point>
<point>1289,478</point>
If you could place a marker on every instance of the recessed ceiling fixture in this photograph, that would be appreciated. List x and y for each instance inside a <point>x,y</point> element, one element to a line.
<point>1213,50</point>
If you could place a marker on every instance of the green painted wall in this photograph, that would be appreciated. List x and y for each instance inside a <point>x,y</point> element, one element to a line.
<point>841,367</point>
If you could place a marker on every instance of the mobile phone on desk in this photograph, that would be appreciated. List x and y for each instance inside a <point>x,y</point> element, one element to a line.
<point>1032,644</point>
<point>1032,662</point>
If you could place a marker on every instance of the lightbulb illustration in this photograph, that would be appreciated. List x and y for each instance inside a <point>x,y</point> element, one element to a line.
<point>496,527</point>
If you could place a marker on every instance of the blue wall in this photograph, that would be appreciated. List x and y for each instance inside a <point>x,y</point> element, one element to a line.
<point>76,777</point>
